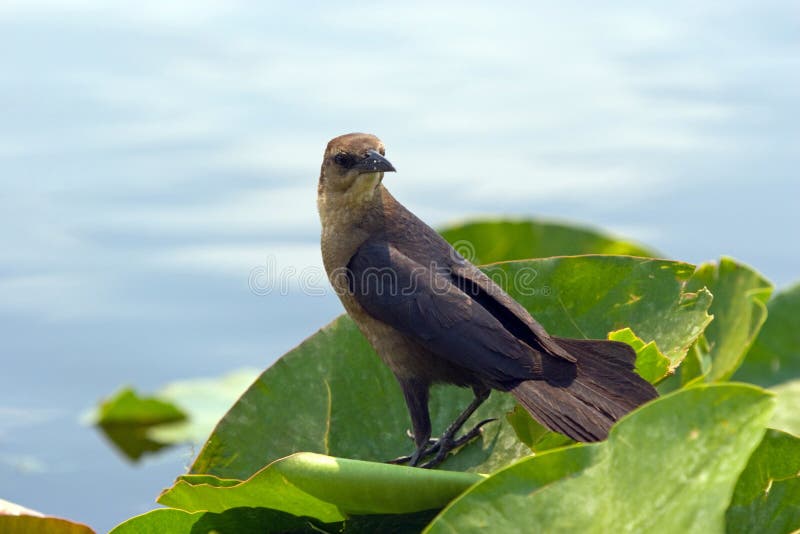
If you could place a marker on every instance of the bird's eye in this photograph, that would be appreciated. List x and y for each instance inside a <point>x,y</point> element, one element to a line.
<point>345,160</point>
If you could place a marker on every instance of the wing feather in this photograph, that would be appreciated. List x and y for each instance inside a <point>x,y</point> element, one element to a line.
<point>424,303</point>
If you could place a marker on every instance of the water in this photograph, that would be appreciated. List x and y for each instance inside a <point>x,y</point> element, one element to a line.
<point>153,155</point>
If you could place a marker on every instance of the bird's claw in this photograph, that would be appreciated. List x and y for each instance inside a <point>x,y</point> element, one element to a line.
<point>446,444</point>
<point>440,448</point>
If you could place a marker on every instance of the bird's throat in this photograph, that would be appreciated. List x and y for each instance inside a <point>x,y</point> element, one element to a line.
<point>365,188</point>
<point>344,209</point>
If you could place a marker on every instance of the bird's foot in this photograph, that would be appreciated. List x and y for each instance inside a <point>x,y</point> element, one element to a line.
<point>447,443</point>
<point>440,448</point>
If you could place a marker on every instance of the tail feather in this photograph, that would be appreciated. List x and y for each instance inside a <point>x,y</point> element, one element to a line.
<point>604,389</point>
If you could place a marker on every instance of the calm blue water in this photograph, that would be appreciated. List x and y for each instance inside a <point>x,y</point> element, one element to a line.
<point>153,154</point>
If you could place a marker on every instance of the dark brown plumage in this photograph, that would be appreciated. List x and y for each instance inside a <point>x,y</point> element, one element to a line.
<point>433,317</point>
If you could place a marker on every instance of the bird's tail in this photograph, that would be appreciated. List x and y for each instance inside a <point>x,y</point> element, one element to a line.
<point>604,389</point>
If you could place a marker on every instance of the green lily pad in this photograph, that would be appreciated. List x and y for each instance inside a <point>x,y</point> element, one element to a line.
<point>266,521</point>
<point>775,355</point>
<point>128,407</point>
<point>532,433</point>
<point>787,412</point>
<point>670,466</point>
<point>332,395</point>
<point>589,296</point>
<point>492,241</point>
<point>650,363</point>
<point>326,488</point>
<point>126,418</point>
<point>739,310</point>
<point>184,411</point>
<point>767,496</point>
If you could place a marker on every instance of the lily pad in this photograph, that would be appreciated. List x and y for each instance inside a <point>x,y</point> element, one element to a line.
<point>670,466</point>
<point>326,488</point>
<point>184,411</point>
<point>532,433</point>
<point>494,240</point>
<point>266,521</point>
<point>589,296</point>
<point>787,412</point>
<point>775,355</point>
<point>767,496</point>
<point>739,310</point>
<point>650,363</point>
<point>128,407</point>
<point>126,417</point>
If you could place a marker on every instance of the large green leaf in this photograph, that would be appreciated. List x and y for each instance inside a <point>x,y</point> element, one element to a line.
<point>492,241</point>
<point>787,413</point>
<point>651,364</point>
<point>167,521</point>
<point>332,395</point>
<point>739,310</point>
<point>266,521</point>
<point>767,495</point>
<point>670,466</point>
<point>126,418</point>
<point>532,433</point>
<point>325,488</point>
<point>184,411</point>
<point>775,356</point>
<point>590,296</point>
<point>128,407</point>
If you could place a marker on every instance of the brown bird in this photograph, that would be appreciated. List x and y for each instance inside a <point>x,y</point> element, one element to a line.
<point>433,317</point>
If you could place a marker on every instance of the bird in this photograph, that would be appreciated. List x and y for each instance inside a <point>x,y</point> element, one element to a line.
<point>435,318</point>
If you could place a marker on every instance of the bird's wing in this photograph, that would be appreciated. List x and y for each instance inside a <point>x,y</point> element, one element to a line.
<point>512,314</point>
<point>427,305</point>
<point>426,245</point>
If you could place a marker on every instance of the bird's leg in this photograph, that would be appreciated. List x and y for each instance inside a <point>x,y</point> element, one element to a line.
<point>417,401</point>
<point>416,395</point>
<point>446,442</point>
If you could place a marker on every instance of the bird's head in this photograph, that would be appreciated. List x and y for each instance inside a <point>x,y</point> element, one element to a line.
<point>352,169</point>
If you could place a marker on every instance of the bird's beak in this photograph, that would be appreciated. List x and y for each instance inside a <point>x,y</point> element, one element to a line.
<point>373,162</point>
